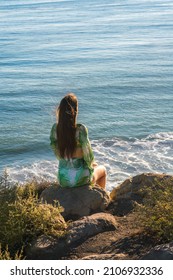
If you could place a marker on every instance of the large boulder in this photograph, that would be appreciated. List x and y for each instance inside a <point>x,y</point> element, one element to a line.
<point>77,202</point>
<point>88,226</point>
<point>160,252</point>
<point>52,248</point>
<point>134,190</point>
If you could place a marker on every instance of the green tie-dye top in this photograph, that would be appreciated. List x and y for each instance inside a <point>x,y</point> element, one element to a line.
<point>74,172</point>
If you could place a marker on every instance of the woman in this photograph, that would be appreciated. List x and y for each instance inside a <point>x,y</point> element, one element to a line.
<point>72,147</point>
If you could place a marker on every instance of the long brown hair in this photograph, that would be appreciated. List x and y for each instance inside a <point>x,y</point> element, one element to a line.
<point>66,127</point>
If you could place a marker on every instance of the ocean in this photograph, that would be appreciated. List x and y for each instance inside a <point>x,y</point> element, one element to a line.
<point>115,55</point>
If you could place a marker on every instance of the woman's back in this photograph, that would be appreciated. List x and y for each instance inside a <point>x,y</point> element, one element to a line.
<point>76,170</point>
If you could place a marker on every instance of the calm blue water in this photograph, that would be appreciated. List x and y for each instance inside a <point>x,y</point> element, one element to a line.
<point>115,55</point>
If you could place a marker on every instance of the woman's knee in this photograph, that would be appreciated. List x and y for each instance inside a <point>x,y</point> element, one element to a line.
<point>99,172</point>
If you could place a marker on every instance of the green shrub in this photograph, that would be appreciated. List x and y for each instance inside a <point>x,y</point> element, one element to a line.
<point>33,186</point>
<point>23,217</point>
<point>156,212</point>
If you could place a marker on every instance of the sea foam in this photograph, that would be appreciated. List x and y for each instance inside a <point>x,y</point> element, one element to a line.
<point>122,157</point>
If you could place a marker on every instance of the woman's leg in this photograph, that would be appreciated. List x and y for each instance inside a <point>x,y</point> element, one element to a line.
<point>100,176</point>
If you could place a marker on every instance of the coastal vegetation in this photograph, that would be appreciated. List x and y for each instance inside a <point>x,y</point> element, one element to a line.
<point>155,214</point>
<point>23,217</point>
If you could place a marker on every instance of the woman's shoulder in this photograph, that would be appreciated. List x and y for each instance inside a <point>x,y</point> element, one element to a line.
<point>81,127</point>
<point>82,133</point>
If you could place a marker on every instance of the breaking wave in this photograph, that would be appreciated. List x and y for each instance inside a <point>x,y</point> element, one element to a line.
<point>122,158</point>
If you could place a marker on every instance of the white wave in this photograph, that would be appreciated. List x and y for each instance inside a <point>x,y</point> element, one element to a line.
<point>122,159</point>
<point>165,136</point>
<point>40,170</point>
<point>125,158</point>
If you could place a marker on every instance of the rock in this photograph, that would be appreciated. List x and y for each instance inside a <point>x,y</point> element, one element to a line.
<point>86,227</point>
<point>160,252</point>
<point>88,237</point>
<point>134,189</point>
<point>133,185</point>
<point>51,248</point>
<point>77,202</point>
<point>46,248</point>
